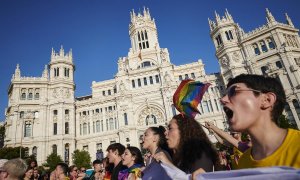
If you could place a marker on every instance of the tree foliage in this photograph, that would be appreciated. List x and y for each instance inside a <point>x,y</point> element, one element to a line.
<point>52,160</point>
<point>81,158</point>
<point>12,152</point>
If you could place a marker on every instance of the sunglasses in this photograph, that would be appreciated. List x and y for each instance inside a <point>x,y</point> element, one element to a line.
<point>232,91</point>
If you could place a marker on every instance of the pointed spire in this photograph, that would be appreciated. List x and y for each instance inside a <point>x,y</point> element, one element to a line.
<point>217,17</point>
<point>61,51</point>
<point>70,55</point>
<point>210,24</point>
<point>227,15</point>
<point>17,72</point>
<point>288,20</point>
<point>270,17</point>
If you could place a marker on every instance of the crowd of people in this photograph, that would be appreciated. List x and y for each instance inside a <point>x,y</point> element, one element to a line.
<point>252,104</point>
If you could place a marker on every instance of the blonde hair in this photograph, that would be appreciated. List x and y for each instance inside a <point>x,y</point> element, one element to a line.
<point>15,168</point>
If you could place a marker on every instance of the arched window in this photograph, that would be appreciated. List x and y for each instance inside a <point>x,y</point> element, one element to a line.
<point>34,151</point>
<point>54,148</point>
<point>151,119</point>
<point>125,119</point>
<point>23,94</point>
<point>180,77</point>
<point>30,94</point>
<point>264,70</point>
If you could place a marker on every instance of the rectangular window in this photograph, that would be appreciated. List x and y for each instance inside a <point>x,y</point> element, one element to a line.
<point>27,132</point>
<point>67,112</point>
<point>30,96</point>
<point>109,92</point>
<point>55,112</point>
<point>85,148</point>
<point>139,83</point>
<point>186,76</point>
<point>36,96</point>
<point>145,81</point>
<point>103,93</point>
<point>133,84</point>
<point>54,128</point>
<point>66,127</point>
<point>97,110</point>
<point>98,126</point>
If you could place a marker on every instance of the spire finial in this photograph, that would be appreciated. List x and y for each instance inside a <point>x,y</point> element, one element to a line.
<point>217,17</point>
<point>17,72</point>
<point>270,17</point>
<point>61,52</point>
<point>288,20</point>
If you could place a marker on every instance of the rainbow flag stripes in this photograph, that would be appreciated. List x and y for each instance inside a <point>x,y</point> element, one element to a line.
<point>188,95</point>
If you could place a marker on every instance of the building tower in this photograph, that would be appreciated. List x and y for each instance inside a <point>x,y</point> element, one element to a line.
<point>225,34</point>
<point>61,104</point>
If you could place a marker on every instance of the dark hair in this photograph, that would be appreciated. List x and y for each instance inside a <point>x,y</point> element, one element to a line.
<point>264,84</point>
<point>116,146</point>
<point>137,154</point>
<point>71,168</point>
<point>64,167</point>
<point>33,160</point>
<point>162,142</point>
<point>193,144</point>
<point>108,166</point>
<point>97,161</point>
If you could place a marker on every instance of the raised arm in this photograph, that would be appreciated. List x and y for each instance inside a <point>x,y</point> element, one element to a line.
<point>222,134</point>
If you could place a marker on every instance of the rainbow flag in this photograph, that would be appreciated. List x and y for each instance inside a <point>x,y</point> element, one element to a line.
<point>188,95</point>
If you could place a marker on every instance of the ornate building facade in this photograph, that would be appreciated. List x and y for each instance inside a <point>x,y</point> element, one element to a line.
<point>44,115</point>
<point>272,49</point>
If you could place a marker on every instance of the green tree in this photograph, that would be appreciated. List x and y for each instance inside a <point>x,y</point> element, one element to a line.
<point>2,135</point>
<point>52,160</point>
<point>12,152</point>
<point>283,122</point>
<point>81,158</point>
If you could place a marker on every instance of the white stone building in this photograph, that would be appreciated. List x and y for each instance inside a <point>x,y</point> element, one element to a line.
<point>44,115</point>
<point>272,49</point>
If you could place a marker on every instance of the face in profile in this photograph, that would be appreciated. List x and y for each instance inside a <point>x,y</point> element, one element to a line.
<point>111,155</point>
<point>173,135</point>
<point>241,106</point>
<point>127,158</point>
<point>148,139</point>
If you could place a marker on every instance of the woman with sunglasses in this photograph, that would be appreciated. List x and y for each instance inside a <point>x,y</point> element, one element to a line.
<point>154,141</point>
<point>253,104</point>
<point>190,144</point>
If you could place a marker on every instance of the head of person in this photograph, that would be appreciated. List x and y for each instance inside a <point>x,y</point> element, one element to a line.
<point>114,152</point>
<point>154,137</point>
<point>14,169</point>
<point>29,173</point>
<point>187,139</point>
<point>252,98</point>
<point>33,163</point>
<point>36,173</point>
<point>98,165</point>
<point>2,161</point>
<point>73,171</point>
<point>131,156</point>
<point>83,170</point>
<point>61,169</point>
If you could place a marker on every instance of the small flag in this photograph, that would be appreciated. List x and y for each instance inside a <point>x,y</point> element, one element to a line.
<point>188,95</point>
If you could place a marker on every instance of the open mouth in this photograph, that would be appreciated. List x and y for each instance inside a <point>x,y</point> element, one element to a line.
<point>228,112</point>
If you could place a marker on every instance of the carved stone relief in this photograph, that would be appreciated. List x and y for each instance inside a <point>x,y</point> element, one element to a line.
<point>150,115</point>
